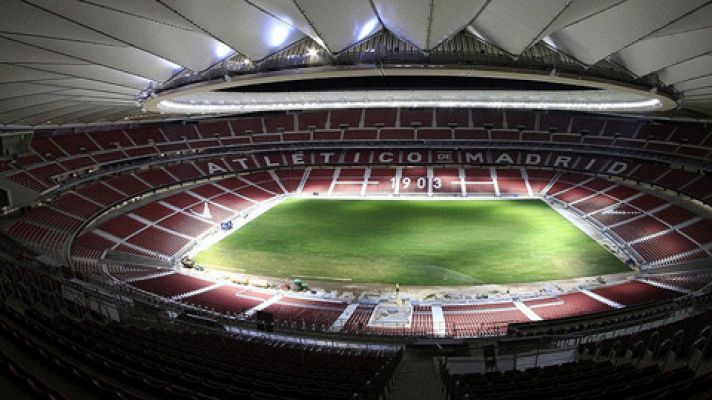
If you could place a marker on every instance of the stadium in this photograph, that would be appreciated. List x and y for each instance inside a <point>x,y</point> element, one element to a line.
<point>356,199</point>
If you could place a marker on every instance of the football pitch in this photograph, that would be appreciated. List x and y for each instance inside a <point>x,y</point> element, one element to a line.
<point>411,242</point>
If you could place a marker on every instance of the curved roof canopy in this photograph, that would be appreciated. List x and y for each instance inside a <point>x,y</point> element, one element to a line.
<point>92,61</point>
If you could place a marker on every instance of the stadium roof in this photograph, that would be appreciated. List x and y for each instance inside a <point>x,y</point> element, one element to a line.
<point>94,61</point>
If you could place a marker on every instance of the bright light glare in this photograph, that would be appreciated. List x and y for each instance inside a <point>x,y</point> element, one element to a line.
<point>278,34</point>
<point>312,52</point>
<point>474,31</point>
<point>222,50</point>
<point>550,42</point>
<point>368,28</point>
<point>318,40</point>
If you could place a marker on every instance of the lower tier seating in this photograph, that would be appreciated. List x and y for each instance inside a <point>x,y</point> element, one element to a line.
<point>582,380</point>
<point>566,305</point>
<point>304,313</point>
<point>196,365</point>
<point>225,299</point>
<point>171,285</point>
<point>481,319</point>
<point>685,281</point>
<point>635,292</point>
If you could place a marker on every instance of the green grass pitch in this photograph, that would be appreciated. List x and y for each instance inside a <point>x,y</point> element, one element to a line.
<point>427,243</point>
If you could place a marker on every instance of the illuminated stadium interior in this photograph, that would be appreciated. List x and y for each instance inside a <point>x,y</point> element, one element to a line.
<point>356,199</point>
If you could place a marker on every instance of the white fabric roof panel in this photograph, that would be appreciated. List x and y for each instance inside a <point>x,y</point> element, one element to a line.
<point>687,70</point>
<point>19,103</point>
<point>513,25</point>
<point>700,19</point>
<point>83,94</point>
<point>239,25</point>
<point>70,107</point>
<point>95,112</point>
<point>35,111</point>
<point>14,51</point>
<point>21,17</point>
<point>656,53</point>
<point>81,83</point>
<point>701,92</point>
<point>12,90</point>
<point>577,10</point>
<point>697,83</point>
<point>184,47</point>
<point>122,58</point>
<point>341,23</point>
<point>289,12</point>
<point>408,19</point>
<point>13,73</point>
<point>152,10</point>
<point>609,31</point>
<point>450,17</point>
<point>98,73</point>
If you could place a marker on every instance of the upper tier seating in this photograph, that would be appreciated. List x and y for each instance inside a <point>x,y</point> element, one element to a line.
<point>56,157</point>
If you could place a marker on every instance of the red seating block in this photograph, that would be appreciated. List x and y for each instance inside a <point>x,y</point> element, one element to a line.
<point>510,181</point>
<point>160,241</point>
<point>171,285</point>
<point>539,179</point>
<point>76,143</point>
<point>319,180</point>
<point>664,246</point>
<point>121,226</point>
<point>567,305</point>
<point>416,117</point>
<point>224,298</point>
<point>635,292</point>
<point>156,177</point>
<point>185,224</point>
<point>385,116</point>
<point>700,231</point>
<point>109,139</point>
<point>639,228</point>
<point>455,116</point>
<point>674,215</point>
<point>127,184</point>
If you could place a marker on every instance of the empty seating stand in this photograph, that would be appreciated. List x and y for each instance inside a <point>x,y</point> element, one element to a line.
<point>583,380</point>
<point>658,232</point>
<point>109,359</point>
